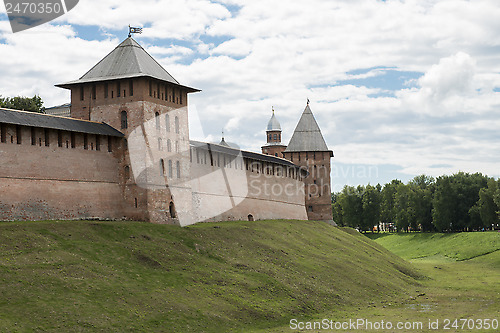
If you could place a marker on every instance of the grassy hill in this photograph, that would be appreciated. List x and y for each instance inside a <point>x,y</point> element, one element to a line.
<point>462,283</point>
<point>454,246</point>
<point>232,276</point>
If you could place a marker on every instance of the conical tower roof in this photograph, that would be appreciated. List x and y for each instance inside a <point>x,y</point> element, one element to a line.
<point>307,135</point>
<point>127,60</point>
<point>274,124</point>
<point>223,143</point>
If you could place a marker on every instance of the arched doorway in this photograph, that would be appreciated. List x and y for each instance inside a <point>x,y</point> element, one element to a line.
<point>171,210</point>
<point>250,217</point>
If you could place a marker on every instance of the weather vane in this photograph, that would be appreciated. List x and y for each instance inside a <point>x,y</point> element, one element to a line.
<point>132,30</point>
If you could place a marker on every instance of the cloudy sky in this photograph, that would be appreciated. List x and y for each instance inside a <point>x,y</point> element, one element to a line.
<point>398,87</point>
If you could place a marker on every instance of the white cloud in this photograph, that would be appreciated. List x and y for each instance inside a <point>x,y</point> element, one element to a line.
<point>260,56</point>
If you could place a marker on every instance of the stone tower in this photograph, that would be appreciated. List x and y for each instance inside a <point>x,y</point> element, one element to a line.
<point>308,149</point>
<point>273,134</point>
<point>132,92</point>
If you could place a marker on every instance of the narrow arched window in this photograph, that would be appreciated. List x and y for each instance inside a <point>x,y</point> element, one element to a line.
<point>124,120</point>
<point>170,172</point>
<point>157,119</point>
<point>160,145</point>
<point>167,122</point>
<point>177,125</point>
<point>178,169</point>
<point>127,172</point>
<point>169,145</point>
<point>162,167</point>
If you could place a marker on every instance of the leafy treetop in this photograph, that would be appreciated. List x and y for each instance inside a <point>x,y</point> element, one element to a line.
<point>33,104</point>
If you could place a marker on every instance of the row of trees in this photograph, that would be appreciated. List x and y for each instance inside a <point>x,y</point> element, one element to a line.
<point>449,203</point>
<point>33,104</point>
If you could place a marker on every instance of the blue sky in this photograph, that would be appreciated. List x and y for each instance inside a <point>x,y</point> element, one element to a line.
<point>398,87</point>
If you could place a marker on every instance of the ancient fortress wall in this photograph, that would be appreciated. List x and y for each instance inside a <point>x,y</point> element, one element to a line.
<point>233,187</point>
<point>46,181</point>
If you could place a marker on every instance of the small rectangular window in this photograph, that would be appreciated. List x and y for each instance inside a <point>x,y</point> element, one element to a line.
<point>19,135</point>
<point>98,142</point>
<point>3,135</point>
<point>33,136</point>
<point>118,89</point>
<point>85,141</point>
<point>73,140</point>
<point>46,133</point>
<point>150,88</point>
<point>59,139</point>
<point>131,88</point>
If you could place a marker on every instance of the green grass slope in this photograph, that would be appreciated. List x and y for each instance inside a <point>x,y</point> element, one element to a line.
<point>232,276</point>
<point>455,246</point>
<point>463,271</point>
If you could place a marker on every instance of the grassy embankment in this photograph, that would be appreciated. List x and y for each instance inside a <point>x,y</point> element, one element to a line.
<point>463,271</point>
<point>463,282</point>
<point>234,276</point>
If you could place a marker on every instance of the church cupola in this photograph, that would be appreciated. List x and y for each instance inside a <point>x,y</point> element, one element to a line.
<point>223,142</point>
<point>273,130</point>
<point>273,134</point>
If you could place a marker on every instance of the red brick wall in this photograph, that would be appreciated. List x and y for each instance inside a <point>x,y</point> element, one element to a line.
<point>317,184</point>
<point>52,182</point>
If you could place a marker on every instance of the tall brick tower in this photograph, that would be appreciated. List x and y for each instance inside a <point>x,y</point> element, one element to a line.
<point>273,134</point>
<point>132,92</point>
<point>308,149</point>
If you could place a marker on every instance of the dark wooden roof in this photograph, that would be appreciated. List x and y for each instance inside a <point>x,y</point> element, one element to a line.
<point>33,119</point>
<point>307,135</point>
<point>127,60</point>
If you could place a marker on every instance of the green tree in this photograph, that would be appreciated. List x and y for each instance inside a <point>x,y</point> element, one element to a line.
<point>337,209</point>
<point>453,199</point>
<point>486,207</point>
<point>387,205</point>
<point>421,193</point>
<point>352,206</point>
<point>404,211</point>
<point>497,198</point>
<point>33,104</point>
<point>371,207</point>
